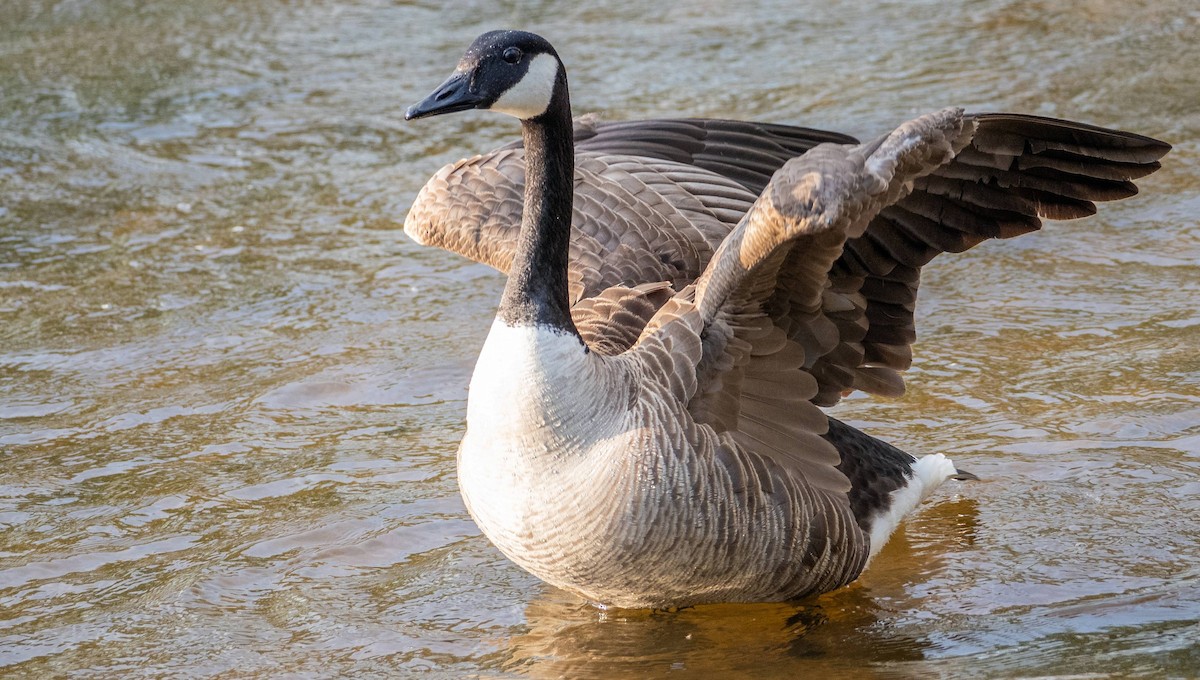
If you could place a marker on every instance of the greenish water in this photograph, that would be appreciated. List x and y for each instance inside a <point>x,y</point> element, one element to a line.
<point>231,389</point>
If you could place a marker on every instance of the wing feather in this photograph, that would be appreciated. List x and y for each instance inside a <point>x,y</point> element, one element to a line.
<point>655,199</point>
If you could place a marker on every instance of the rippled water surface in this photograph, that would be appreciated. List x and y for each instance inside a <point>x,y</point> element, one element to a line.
<point>231,389</point>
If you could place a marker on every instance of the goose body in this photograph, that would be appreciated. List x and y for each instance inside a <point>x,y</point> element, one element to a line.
<point>627,525</point>
<point>643,424</point>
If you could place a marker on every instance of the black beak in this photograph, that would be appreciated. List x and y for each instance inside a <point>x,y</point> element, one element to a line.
<point>452,95</point>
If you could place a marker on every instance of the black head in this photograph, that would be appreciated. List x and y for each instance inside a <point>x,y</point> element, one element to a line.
<point>511,72</point>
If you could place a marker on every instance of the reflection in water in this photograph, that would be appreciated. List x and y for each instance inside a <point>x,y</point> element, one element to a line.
<point>571,639</point>
<point>567,638</point>
<point>847,631</point>
<point>231,390</point>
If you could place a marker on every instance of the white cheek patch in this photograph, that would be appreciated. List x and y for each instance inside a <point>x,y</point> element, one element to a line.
<point>530,97</point>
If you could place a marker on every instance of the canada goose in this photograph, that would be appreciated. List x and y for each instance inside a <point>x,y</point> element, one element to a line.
<point>650,440</point>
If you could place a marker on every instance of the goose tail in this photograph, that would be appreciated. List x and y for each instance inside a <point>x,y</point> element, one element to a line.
<point>928,473</point>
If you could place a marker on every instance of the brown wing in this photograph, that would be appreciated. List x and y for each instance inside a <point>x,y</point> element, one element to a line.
<point>639,221</point>
<point>750,379</point>
<point>710,173</point>
<point>744,151</point>
<point>636,220</point>
<point>1017,170</point>
<point>472,207</point>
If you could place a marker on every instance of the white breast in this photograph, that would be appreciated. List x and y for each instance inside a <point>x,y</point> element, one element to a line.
<point>539,406</point>
<point>527,379</point>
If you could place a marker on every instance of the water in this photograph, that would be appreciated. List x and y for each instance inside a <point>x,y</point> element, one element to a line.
<point>231,389</point>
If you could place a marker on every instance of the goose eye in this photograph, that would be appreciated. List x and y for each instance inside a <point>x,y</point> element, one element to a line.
<point>512,55</point>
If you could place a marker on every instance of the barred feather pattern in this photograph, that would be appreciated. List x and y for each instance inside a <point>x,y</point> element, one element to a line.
<point>664,493</point>
<point>1016,170</point>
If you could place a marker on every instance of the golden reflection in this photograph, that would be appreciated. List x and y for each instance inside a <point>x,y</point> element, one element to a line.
<point>852,628</point>
<point>569,638</point>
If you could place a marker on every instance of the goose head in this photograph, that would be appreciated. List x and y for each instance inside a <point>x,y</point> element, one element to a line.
<point>511,72</point>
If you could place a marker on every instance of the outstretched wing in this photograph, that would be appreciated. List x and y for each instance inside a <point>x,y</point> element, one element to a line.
<point>751,379</point>
<point>636,219</point>
<point>654,199</point>
<point>1017,170</point>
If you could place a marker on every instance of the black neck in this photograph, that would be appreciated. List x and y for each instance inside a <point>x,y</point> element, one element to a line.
<point>536,293</point>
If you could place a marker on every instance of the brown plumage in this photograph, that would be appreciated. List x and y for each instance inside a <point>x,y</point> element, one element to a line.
<point>655,198</point>
<point>644,423</point>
